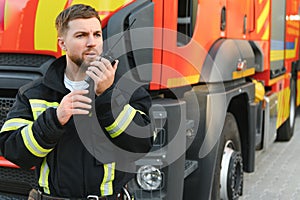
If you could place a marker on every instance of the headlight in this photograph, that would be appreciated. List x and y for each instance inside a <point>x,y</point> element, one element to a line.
<point>149,177</point>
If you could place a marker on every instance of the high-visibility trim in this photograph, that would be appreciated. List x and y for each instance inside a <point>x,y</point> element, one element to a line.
<point>14,124</point>
<point>187,80</point>
<point>106,187</point>
<point>39,103</point>
<point>292,52</point>
<point>276,55</point>
<point>275,80</point>
<point>38,106</point>
<point>122,121</point>
<point>298,89</point>
<point>31,144</point>
<point>263,17</point>
<point>283,106</point>
<point>44,174</point>
<point>243,73</point>
<point>266,34</point>
<point>141,112</point>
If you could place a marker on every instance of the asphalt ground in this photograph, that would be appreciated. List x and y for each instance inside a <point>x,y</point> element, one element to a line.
<point>277,171</point>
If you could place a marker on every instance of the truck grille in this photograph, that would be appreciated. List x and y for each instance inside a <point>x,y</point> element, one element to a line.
<point>13,180</point>
<point>5,105</point>
<point>16,180</point>
<point>31,60</point>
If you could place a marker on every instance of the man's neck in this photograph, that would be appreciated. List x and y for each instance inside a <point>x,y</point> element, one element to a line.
<point>74,73</point>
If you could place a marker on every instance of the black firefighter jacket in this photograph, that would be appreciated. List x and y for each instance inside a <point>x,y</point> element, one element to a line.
<point>32,136</point>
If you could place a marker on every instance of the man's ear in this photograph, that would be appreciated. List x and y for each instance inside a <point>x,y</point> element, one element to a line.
<point>61,43</point>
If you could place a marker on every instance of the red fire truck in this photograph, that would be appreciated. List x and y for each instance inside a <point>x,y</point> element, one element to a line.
<point>223,75</point>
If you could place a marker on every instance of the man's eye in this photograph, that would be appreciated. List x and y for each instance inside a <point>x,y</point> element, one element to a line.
<point>98,35</point>
<point>79,36</point>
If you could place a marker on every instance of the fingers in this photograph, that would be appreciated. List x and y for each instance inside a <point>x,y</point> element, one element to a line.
<point>79,96</point>
<point>78,102</point>
<point>101,67</point>
<point>103,74</point>
<point>104,64</point>
<point>107,63</point>
<point>74,103</point>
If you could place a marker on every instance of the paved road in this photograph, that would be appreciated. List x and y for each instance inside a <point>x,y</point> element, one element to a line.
<point>277,171</point>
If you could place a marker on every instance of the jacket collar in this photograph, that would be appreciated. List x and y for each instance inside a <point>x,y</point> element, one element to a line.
<point>54,77</point>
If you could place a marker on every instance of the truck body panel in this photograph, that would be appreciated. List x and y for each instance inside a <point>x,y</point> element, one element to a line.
<point>201,60</point>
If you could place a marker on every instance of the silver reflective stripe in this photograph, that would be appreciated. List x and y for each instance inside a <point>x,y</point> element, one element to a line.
<point>44,174</point>
<point>106,187</point>
<point>122,121</point>
<point>14,124</point>
<point>31,144</point>
<point>39,103</point>
<point>38,106</point>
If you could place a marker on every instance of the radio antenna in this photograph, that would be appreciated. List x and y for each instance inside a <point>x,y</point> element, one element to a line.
<point>130,25</point>
<point>108,55</point>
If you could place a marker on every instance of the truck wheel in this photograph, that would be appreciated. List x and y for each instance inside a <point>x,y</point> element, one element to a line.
<point>228,179</point>
<point>286,130</point>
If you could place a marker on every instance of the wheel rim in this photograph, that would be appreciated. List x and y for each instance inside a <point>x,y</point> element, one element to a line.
<point>231,177</point>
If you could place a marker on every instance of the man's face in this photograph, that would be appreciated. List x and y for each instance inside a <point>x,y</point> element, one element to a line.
<point>83,40</point>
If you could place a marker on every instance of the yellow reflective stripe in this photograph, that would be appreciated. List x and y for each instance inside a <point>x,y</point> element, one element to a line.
<point>263,17</point>
<point>14,124</point>
<point>44,174</point>
<point>122,121</point>
<point>243,73</point>
<point>291,53</point>
<point>266,33</point>
<point>141,112</point>
<point>46,13</point>
<point>106,186</point>
<point>38,106</point>
<point>31,144</point>
<point>42,103</point>
<point>283,106</point>
<point>276,55</point>
<point>179,81</point>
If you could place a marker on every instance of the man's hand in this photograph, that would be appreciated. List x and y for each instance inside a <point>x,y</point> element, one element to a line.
<point>103,74</point>
<point>73,103</point>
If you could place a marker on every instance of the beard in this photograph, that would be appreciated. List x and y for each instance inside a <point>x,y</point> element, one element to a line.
<point>82,63</point>
<point>78,61</point>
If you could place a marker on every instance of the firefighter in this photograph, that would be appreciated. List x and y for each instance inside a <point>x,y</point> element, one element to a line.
<point>40,130</point>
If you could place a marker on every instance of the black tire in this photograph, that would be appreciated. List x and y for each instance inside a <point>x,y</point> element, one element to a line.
<point>286,130</point>
<point>230,135</point>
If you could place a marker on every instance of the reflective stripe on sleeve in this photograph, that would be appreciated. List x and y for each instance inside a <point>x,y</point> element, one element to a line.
<point>31,144</point>
<point>43,179</point>
<point>122,121</point>
<point>14,124</point>
<point>106,187</point>
<point>38,106</point>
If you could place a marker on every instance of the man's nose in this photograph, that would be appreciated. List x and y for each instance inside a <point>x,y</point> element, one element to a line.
<point>91,41</point>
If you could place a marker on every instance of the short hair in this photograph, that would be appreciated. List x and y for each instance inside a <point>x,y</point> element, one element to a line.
<point>76,11</point>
